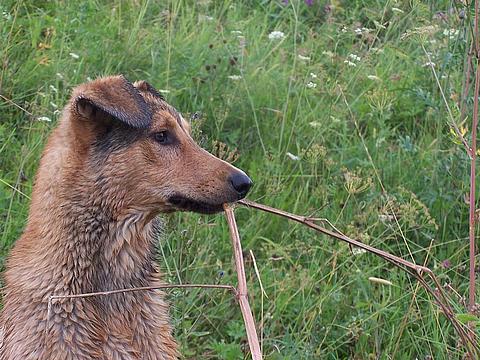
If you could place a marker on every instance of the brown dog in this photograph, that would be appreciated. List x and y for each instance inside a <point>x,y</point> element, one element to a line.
<point>119,156</point>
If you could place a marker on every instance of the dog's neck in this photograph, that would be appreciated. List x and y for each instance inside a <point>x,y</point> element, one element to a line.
<point>109,252</point>
<point>90,245</point>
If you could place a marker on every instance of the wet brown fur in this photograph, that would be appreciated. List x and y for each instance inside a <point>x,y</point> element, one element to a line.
<point>102,180</point>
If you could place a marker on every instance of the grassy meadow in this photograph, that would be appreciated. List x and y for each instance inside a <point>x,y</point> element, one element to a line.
<point>336,109</point>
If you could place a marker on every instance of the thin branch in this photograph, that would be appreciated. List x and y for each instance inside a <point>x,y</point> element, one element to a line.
<point>306,221</point>
<point>467,336</point>
<point>471,286</point>
<point>52,298</point>
<point>242,285</point>
<point>15,104</point>
<point>158,287</point>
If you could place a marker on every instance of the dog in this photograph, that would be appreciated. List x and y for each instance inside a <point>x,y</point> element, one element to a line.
<point>120,156</point>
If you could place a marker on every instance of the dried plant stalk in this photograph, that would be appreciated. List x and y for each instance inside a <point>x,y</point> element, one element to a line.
<point>242,294</point>
<point>158,287</point>
<point>473,161</point>
<point>468,337</point>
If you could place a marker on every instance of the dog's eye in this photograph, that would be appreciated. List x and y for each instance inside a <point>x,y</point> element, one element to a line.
<point>161,137</point>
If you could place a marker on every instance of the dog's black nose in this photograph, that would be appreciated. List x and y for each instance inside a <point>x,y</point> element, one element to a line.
<point>241,183</point>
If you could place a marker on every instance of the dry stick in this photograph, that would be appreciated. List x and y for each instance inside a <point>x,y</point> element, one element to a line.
<point>15,104</point>
<point>242,285</point>
<point>119,291</point>
<point>471,232</point>
<point>467,336</point>
<point>475,40</point>
<point>158,287</point>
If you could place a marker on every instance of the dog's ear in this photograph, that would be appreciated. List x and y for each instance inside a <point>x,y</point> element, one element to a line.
<point>111,97</point>
<point>146,87</point>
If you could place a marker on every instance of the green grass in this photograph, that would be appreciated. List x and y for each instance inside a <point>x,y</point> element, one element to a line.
<point>372,142</point>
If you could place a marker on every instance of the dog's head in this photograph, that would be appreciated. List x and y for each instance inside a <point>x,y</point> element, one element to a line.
<point>136,144</point>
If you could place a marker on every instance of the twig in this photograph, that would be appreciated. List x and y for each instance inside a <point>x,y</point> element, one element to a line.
<point>467,336</point>
<point>242,285</point>
<point>15,104</point>
<point>158,287</point>
<point>471,287</point>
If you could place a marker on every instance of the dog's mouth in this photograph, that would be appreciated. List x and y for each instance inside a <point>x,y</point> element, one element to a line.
<point>183,203</point>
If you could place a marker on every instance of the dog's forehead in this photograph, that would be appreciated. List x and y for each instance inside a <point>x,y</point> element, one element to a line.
<point>163,111</point>
<point>165,118</point>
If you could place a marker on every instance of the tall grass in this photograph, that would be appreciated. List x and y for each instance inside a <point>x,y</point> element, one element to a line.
<point>332,120</point>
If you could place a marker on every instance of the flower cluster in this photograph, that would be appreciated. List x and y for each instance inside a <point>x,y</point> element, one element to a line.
<point>276,35</point>
<point>451,33</point>
<point>352,60</point>
<point>311,84</point>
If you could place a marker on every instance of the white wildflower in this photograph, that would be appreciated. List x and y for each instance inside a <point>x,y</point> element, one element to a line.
<point>328,53</point>
<point>397,10</point>
<point>374,77</point>
<point>276,35</point>
<point>349,63</point>
<point>75,56</point>
<point>313,76</point>
<point>343,29</point>
<point>6,15</point>
<point>311,85</point>
<point>292,157</point>
<point>363,30</point>
<point>354,57</point>
<point>303,58</point>
<point>451,33</point>
<point>60,76</point>
<point>234,77</point>
<point>380,281</point>
<point>236,32</point>
<point>358,251</point>
<point>44,118</point>
<point>429,64</point>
